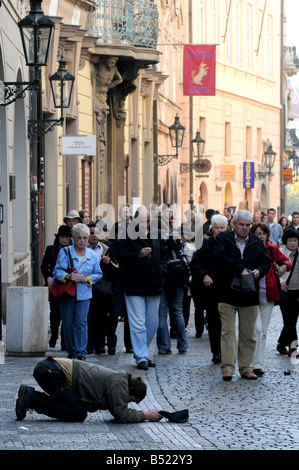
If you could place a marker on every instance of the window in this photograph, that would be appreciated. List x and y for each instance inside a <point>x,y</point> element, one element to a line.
<point>239,34</point>
<point>260,44</point>
<point>166,71</point>
<point>248,142</point>
<point>259,143</point>
<point>215,24</point>
<point>270,39</point>
<point>249,37</point>
<point>202,21</point>
<point>228,30</point>
<point>227,143</point>
<point>174,76</point>
<point>202,127</point>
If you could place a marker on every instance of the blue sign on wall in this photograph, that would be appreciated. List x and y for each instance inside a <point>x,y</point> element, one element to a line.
<point>248,175</point>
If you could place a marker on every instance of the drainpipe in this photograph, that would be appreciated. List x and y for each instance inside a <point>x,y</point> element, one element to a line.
<point>190,113</point>
<point>282,133</point>
<point>34,189</point>
<point>155,131</point>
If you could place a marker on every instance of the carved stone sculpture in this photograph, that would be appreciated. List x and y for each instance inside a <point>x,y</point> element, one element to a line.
<point>106,76</point>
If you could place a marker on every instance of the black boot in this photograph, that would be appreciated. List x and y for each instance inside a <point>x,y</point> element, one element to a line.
<point>52,342</point>
<point>24,401</point>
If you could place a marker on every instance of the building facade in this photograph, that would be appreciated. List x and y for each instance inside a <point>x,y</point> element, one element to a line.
<point>244,117</point>
<point>111,50</point>
<point>127,60</point>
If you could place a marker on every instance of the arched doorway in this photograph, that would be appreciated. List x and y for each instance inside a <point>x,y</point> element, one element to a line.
<point>228,195</point>
<point>20,214</point>
<point>203,195</point>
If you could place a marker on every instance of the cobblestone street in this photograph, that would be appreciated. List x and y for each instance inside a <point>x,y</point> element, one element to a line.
<point>236,415</point>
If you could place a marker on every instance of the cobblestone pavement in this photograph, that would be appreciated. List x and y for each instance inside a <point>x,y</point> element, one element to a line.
<point>236,415</point>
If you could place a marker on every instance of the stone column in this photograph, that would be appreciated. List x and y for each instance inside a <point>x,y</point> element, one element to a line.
<point>27,321</point>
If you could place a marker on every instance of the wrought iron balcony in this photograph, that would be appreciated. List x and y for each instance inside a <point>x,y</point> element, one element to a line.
<point>132,22</point>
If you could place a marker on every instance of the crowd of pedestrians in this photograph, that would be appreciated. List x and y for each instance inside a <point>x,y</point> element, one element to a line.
<point>144,270</point>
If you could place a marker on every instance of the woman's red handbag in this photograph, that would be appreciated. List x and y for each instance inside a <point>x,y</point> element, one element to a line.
<point>67,288</point>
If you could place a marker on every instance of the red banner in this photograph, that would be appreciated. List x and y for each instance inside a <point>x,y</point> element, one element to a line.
<point>199,70</point>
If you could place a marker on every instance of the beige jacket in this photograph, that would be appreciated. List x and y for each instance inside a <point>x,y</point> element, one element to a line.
<point>287,253</point>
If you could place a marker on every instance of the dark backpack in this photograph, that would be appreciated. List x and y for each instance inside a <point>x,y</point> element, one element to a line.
<point>177,269</point>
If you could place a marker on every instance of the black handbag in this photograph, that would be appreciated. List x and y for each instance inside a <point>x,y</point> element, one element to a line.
<point>244,283</point>
<point>102,288</point>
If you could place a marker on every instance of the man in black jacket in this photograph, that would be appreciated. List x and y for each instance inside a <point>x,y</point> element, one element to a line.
<point>235,253</point>
<point>141,257</point>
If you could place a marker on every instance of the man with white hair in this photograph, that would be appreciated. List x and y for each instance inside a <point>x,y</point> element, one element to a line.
<point>236,252</point>
<point>204,285</point>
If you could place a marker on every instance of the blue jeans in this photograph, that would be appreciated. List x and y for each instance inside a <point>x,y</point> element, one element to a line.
<point>172,299</point>
<point>74,319</point>
<point>143,320</point>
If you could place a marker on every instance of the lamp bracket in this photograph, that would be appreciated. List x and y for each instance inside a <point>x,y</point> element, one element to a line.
<point>202,165</point>
<point>260,175</point>
<point>16,90</point>
<point>165,159</point>
<point>39,127</point>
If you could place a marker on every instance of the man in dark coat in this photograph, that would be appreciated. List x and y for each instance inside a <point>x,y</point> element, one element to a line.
<point>204,283</point>
<point>235,252</point>
<point>141,256</point>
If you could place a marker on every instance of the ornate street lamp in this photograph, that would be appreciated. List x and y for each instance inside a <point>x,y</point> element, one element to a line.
<point>39,28</point>
<point>62,83</point>
<point>268,161</point>
<point>62,86</point>
<point>176,132</point>
<point>200,165</point>
<point>198,145</point>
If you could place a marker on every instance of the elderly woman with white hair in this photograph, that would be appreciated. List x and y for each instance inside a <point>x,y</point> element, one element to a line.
<point>74,310</point>
<point>203,281</point>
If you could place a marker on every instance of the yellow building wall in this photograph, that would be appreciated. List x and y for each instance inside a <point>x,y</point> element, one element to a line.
<point>246,96</point>
<point>85,119</point>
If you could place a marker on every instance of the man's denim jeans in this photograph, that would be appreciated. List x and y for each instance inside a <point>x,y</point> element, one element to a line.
<point>143,319</point>
<point>172,299</point>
